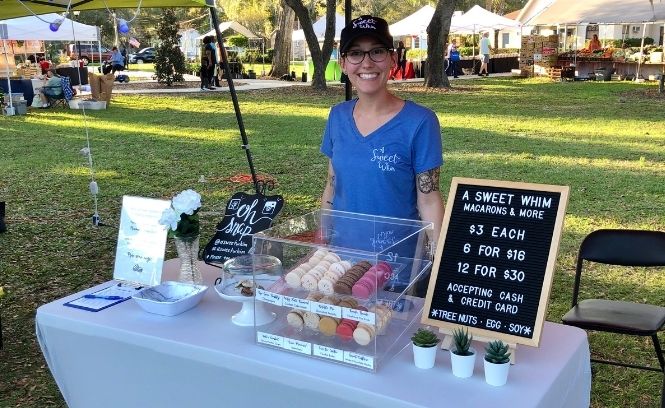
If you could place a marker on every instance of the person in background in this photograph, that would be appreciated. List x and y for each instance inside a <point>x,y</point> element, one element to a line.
<point>595,44</point>
<point>484,54</point>
<point>52,87</point>
<point>44,65</point>
<point>211,56</point>
<point>204,65</point>
<point>401,58</point>
<point>384,153</point>
<point>124,56</point>
<point>117,60</point>
<point>452,55</point>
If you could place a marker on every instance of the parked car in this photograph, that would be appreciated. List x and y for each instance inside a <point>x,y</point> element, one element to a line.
<point>89,52</point>
<point>144,55</point>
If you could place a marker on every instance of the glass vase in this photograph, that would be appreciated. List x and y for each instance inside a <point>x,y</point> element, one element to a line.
<point>188,252</point>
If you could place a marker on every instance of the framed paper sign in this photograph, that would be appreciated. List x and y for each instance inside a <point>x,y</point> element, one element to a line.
<point>139,255</point>
<point>495,259</point>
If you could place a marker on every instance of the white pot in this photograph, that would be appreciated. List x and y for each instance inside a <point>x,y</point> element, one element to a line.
<point>463,365</point>
<point>10,111</point>
<point>423,357</point>
<point>496,374</point>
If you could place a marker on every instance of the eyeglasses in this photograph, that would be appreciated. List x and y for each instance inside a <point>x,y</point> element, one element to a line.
<point>375,54</point>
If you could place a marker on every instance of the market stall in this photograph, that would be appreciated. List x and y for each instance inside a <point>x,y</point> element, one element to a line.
<point>123,356</point>
<point>23,35</point>
<point>541,56</point>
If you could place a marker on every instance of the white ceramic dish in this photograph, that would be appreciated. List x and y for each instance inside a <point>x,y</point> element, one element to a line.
<point>170,298</point>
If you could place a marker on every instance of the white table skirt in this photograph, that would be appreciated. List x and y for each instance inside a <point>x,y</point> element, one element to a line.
<point>125,357</point>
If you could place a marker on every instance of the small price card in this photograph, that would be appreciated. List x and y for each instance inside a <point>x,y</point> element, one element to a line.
<point>326,309</point>
<point>269,297</point>
<point>296,303</point>
<point>329,353</point>
<point>359,360</point>
<point>270,339</point>
<point>298,346</point>
<point>359,315</point>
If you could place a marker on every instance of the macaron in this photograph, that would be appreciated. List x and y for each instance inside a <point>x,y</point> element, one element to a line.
<point>362,335</point>
<point>320,253</point>
<point>293,279</point>
<point>328,325</point>
<point>326,286</point>
<point>342,288</point>
<point>309,282</point>
<point>362,289</point>
<point>295,319</point>
<point>311,320</point>
<point>345,329</point>
<point>332,257</point>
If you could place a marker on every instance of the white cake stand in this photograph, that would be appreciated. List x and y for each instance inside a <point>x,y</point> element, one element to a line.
<point>252,313</point>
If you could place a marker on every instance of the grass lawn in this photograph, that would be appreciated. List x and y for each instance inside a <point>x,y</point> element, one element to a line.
<point>604,140</point>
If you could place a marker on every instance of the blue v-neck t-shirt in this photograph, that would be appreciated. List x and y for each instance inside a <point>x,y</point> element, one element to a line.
<point>376,174</point>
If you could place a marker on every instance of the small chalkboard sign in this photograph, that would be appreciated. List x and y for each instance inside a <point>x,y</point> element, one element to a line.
<point>495,259</point>
<point>245,215</point>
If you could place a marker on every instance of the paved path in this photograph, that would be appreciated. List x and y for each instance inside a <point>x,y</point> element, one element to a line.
<point>247,84</point>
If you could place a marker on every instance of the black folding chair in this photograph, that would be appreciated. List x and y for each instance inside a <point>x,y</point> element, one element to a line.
<point>623,248</point>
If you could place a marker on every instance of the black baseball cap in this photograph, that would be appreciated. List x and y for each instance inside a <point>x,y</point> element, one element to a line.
<point>366,26</point>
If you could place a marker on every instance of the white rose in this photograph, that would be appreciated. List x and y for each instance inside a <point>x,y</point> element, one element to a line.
<point>170,218</point>
<point>186,202</point>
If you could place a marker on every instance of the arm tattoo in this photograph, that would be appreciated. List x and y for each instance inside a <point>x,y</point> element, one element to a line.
<point>428,181</point>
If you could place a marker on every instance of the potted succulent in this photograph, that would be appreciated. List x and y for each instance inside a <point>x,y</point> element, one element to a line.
<point>424,348</point>
<point>497,363</point>
<point>462,355</point>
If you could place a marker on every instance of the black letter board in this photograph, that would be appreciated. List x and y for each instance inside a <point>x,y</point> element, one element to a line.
<point>495,258</point>
<point>245,215</point>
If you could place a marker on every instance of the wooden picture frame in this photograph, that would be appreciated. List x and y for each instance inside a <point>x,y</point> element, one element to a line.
<point>460,211</point>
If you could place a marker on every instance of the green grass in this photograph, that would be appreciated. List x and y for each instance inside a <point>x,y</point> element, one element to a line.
<point>608,148</point>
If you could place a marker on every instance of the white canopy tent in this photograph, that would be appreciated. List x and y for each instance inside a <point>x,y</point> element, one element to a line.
<point>230,25</point>
<point>478,19</point>
<point>599,12</point>
<point>415,24</point>
<point>37,28</point>
<point>320,29</point>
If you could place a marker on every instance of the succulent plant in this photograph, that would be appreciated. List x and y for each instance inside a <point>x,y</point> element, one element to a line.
<point>462,342</point>
<point>425,338</point>
<point>497,352</point>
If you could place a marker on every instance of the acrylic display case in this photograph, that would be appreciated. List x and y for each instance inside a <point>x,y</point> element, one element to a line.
<point>347,288</point>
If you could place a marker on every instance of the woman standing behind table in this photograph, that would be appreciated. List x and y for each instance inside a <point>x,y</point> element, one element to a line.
<point>384,153</point>
<point>595,44</point>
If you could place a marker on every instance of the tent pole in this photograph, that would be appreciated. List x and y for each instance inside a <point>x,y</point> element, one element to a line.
<point>9,81</point>
<point>347,20</point>
<point>639,62</point>
<point>99,46</point>
<point>577,30</point>
<point>234,97</point>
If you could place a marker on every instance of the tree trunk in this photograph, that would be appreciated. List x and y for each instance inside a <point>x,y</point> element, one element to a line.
<point>437,32</point>
<point>282,57</point>
<point>320,57</point>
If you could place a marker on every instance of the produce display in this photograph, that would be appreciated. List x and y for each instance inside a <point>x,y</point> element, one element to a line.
<point>651,54</point>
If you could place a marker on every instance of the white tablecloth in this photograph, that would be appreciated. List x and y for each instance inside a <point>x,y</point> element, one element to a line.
<point>125,357</point>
